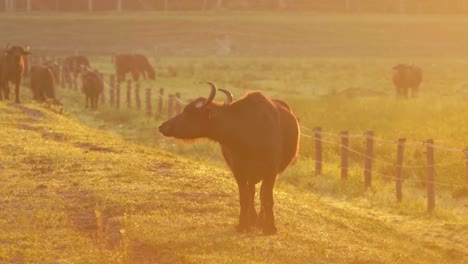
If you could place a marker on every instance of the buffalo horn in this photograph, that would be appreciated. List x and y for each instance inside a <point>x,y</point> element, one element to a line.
<point>211,96</point>
<point>228,95</point>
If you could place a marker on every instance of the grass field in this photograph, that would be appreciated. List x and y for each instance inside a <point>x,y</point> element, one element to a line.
<point>120,190</point>
<point>71,193</point>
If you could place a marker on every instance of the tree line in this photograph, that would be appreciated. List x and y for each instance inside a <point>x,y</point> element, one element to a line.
<point>377,6</point>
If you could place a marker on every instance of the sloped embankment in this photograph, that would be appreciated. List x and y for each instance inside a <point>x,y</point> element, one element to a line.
<point>70,193</point>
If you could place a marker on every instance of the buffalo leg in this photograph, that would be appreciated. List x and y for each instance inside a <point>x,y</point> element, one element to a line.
<point>6,91</point>
<point>17,90</point>
<point>135,75</point>
<point>414,92</point>
<point>251,205</point>
<point>2,90</point>
<point>267,218</point>
<point>405,92</point>
<point>244,204</point>
<point>95,100</point>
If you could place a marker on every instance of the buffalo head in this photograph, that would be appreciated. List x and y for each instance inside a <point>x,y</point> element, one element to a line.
<point>15,54</point>
<point>151,74</point>
<point>17,51</point>
<point>196,119</point>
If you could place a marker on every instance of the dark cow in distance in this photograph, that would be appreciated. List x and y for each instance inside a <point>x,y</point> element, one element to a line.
<point>259,138</point>
<point>136,64</point>
<point>407,78</point>
<point>11,70</point>
<point>42,83</point>
<point>92,87</point>
<point>72,66</point>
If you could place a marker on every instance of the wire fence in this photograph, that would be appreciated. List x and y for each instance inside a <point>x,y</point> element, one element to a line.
<point>341,141</point>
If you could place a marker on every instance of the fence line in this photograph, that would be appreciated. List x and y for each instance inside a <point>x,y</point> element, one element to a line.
<point>388,163</point>
<point>369,159</point>
<point>386,175</point>
<point>382,140</point>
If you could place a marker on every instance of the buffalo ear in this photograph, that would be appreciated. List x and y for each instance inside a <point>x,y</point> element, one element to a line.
<point>26,52</point>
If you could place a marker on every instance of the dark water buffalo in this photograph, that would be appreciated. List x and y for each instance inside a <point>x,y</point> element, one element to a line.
<point>407,78</point>
<point>93,86</point>
<point>42,83</point>
<point>54,68</point>
<point>11,70</point>
<point>136,64</point>
<point>259,138</point>
<point>72,65</point>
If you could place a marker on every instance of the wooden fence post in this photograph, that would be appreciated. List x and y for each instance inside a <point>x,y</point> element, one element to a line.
<point>318,150</point>
<point>399,169</point>
<point>149,111</point>
<point>129,93</point>
<point>112,89</point>
<point>368,159</point>
<point>178,105</point>
<point>161,102</point>
<point>103,94</point>
<point>344,155</point>
<point>117,96</point>
<point>430,175</point>
<point>170,106</point>
<point>137,96</point>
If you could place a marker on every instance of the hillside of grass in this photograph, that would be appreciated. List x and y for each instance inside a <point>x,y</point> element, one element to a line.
<point>71,193</point>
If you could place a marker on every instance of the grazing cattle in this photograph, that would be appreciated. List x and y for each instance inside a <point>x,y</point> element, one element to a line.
<point>54,68</point>
<point>72,65</point>
<point>11,70</point>
<point>407,78</point>
<point>92,87</point>
<point>259,138</point>
<point>42,83</point>
<point>135,64</point>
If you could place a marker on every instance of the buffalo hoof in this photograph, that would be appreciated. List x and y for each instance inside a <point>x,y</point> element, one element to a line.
<point>269,230</point>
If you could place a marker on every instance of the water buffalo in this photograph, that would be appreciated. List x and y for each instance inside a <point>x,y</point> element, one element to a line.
<point>42,83</point>
<point>11,70</point>
<point>92,87</point>
<point>259,138</point>
<point>135,64</point>
<point>72,66</point>
<point>407,78</point>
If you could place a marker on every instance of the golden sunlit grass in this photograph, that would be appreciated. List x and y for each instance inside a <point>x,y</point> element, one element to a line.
<point>74,194</point>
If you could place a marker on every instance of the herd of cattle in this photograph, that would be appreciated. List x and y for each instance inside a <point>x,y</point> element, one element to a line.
<point>42,77</point>
<point>256,154</point>
<point>14,67</point>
